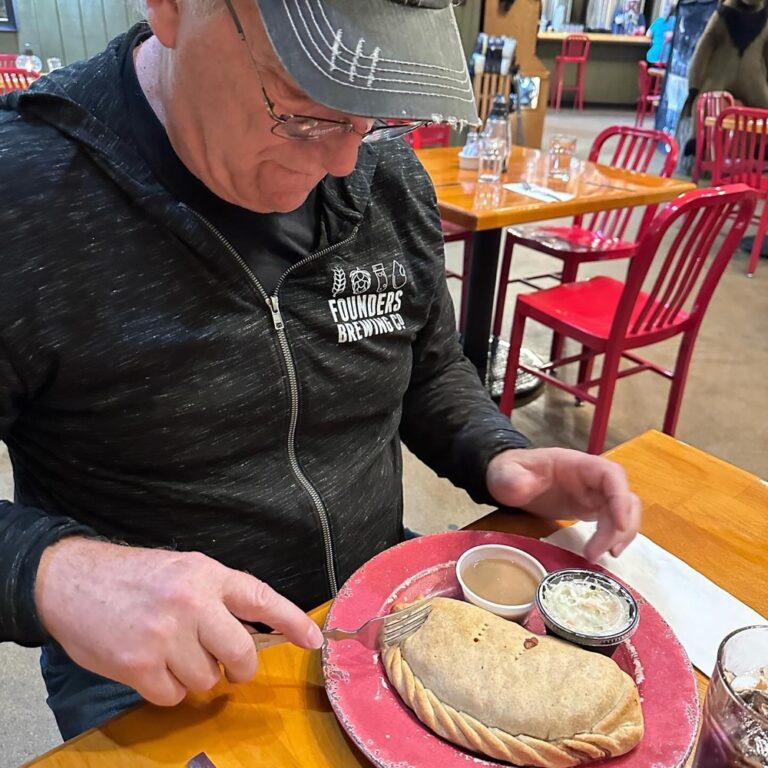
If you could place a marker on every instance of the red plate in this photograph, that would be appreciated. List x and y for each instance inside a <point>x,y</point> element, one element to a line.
<point>391,736</point>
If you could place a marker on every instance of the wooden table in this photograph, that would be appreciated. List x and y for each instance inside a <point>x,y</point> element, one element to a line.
<point>753,126</point>
<point>706,512</point>
<point>487,209</point>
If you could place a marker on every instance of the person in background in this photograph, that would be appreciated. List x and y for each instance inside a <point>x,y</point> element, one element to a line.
<point>660,33</point>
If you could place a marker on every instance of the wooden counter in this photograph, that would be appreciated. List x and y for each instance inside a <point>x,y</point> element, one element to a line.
<point>612,71</point>
<point>598,37</point>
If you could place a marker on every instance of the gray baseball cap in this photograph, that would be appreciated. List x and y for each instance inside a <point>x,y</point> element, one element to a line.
<point>399,59</point>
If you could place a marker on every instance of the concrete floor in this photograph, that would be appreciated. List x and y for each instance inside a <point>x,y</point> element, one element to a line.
<point>721,414</point>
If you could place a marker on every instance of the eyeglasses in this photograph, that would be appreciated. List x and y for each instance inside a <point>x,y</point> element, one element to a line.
<point>308,128</point>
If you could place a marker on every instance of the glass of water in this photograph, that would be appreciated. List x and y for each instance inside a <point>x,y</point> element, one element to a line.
<point>493,153</point>
<point>734,729</point>
<point>562,148</point>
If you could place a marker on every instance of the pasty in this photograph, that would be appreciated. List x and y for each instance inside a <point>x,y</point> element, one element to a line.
<point>491,686</point>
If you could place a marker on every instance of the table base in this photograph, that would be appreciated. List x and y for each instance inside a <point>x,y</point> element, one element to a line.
<point>527,384</point>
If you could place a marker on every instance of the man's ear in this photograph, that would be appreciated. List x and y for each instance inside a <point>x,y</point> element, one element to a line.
<point>163,17</point>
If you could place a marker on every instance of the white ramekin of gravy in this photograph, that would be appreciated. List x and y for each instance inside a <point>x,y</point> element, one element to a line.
<point>501,579</point>
<point>587,608</point>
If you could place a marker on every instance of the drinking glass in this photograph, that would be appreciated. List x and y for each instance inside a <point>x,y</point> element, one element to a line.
<point>734,730</point>
<point>561,151</point>
<point>493,152</point>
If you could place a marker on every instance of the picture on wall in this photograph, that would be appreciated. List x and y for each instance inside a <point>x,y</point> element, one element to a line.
<point>7,16</point>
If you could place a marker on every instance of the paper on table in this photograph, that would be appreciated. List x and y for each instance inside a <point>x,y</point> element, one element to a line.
<point>539,192</point>
<point>700,612</point>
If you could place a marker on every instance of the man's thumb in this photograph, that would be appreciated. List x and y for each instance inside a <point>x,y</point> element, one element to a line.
<point>249,599</point>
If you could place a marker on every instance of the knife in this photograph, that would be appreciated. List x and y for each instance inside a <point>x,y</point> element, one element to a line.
<point>201,761</point>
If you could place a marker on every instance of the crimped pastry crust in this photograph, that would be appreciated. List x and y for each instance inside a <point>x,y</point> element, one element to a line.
<point>472,678</point>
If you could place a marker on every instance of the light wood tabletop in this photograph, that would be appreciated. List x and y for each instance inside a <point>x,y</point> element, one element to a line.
<point>754,126</point>
<point>704,511</point>
<point>481,206</point>
<point>486,209</point>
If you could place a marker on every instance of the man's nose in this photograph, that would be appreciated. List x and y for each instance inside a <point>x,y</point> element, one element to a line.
<point>341,153</point>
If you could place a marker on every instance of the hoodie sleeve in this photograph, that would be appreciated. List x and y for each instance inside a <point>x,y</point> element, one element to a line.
<point>25,532</point>
<point>449,420</point>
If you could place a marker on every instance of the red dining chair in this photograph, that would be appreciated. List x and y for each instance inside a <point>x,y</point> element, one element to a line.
<point>611,318</point>
<point>574,50</point>
<point>741,156</point>
<point>16,79</point>
<point>8,60</point>
<point>709,105</point>
<point>649,88</point>
<point>439,135</point>
<point>593,237</point>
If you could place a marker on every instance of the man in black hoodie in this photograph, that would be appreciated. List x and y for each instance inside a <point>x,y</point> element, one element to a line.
<point>224,306</point>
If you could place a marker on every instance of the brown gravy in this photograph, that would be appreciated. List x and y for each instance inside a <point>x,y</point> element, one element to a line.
<point>501,581</point>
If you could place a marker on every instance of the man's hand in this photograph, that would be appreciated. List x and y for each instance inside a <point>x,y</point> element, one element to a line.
<point>158,621</point>
<point>563,485</point>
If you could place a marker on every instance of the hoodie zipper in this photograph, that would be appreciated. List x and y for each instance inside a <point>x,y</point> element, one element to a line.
<point>273,305</point>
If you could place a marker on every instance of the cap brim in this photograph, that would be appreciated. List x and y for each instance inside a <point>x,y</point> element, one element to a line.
<point>376,58</point>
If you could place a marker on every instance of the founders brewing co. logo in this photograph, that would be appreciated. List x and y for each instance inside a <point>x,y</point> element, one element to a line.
<point>367,302</point>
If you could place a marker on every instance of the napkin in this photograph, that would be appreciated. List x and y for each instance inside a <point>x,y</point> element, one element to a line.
<point>539,192</point>
<point>700,612</point>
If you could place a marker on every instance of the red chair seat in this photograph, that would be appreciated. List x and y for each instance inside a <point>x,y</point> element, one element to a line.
<point>589,308</point>
<point>556,240</point>
<point>613,320</point>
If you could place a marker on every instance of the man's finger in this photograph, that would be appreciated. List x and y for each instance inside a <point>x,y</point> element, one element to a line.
<point>633,526</point>
<point>252,600</point>
<point>161,688</point>
<point>225,638</point>
<point>605,537</point>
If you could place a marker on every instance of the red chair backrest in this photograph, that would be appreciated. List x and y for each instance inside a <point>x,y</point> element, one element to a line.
<point>435,135</point>
<point>741,146</point>
<point>709,104</point>
<point>691,267</point>
<point>631,149</point>
<point>13,79</point>
<point>8,60</point>
<point>575,47</point>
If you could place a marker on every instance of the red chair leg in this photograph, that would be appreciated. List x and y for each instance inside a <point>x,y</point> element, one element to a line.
<point>757,248</point>
<point>501,296</point>
<point>465,283</point>
<point>607,387</point>
<point>570,270</point>
<point>585,367</point>
<point>513,361</point>
<point>582,85</point>
<point>679,378</point>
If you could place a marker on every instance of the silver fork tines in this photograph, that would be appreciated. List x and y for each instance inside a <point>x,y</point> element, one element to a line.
<point>398,626</point>
<point>385,630</point>
<point>381,630</point>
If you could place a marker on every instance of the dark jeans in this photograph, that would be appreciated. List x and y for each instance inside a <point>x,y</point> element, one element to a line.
<point>80,699</point>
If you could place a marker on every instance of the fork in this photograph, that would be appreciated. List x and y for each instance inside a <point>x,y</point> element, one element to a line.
<point>381,630</point>
<point>528,187</point>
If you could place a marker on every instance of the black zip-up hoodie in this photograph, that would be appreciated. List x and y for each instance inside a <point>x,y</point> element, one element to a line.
<point>152,393</point>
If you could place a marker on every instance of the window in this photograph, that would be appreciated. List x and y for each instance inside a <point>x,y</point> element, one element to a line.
<point>7,16</point>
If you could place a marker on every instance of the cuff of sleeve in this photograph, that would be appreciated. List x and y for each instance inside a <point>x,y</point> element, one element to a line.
<point>504,440</point>
<point>26,624</point>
